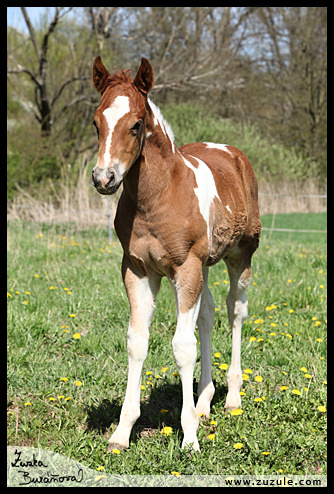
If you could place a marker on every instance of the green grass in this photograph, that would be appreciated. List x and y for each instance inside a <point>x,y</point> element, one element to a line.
<point>296,221</point>
<point>76,416</point>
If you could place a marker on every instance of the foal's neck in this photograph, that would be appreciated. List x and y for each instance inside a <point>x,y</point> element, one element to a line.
<point>151,173</point>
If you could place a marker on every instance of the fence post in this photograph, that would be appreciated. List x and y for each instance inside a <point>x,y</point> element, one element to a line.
<point>109,220</point>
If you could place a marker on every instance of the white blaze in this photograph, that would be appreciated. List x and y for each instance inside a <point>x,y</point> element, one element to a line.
<point>119,108</point>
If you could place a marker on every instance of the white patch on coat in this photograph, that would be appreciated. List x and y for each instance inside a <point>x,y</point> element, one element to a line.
<point>222,147</point>
<point>159,119</point>
<point>228,209</point>
<point>205,191</point>
<point>119,108</point>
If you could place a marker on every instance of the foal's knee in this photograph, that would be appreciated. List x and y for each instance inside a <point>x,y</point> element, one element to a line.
<point>137,344</point>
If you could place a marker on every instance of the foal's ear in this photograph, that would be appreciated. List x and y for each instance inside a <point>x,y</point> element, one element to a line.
<point>144,78</point>
<point>100,75</point>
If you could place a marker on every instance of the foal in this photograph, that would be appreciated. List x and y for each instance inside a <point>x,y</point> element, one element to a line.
<point>181,211</point>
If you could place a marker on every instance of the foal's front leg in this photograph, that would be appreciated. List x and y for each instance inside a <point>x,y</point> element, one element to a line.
<point>187,287</point>
<point>141,291</point>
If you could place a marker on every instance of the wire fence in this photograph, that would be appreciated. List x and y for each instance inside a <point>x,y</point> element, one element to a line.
<point>111,210</point>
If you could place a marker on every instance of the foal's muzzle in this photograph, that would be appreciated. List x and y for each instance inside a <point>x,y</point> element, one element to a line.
<point>105,181</point>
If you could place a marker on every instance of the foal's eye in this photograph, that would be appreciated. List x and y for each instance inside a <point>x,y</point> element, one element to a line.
<point>136,128</point>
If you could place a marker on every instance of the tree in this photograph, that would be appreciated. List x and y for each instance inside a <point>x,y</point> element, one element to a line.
<point>291,44</point>
<point>45,97</point>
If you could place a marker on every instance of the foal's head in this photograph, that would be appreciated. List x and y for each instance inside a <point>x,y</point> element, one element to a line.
<point>120,122</point>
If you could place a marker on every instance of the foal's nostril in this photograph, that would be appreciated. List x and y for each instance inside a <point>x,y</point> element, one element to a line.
<point>92,180</point>
<point>112,176</point>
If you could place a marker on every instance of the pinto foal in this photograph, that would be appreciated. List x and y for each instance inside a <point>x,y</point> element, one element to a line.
<point>181,211</point>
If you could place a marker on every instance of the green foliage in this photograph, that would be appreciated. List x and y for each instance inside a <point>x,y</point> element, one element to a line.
<point>77,272</point>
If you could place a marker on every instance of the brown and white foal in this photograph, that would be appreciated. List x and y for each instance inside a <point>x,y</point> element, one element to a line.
<point>181,211</point>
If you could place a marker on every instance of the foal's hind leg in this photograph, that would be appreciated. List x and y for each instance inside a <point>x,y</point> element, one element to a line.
<point>205,323</point>
<point>239,270</point>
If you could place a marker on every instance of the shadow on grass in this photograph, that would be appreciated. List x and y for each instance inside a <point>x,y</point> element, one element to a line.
<point>164,396</point>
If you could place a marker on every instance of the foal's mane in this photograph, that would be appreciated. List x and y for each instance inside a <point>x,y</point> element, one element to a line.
<point>119,78</point>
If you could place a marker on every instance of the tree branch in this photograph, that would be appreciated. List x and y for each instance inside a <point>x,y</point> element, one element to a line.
<point>31,32</point>
<point>68,81</point>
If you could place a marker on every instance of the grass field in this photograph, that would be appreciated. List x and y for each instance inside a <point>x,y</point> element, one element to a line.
<point>67,362</point>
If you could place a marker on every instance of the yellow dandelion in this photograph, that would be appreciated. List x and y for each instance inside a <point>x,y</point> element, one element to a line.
<point>73,315</point>
<point>148,373</point>
<point>272,334</point>
<point>265,453</point>
<point>211,437</point>
<point>78,383</point>
<point>115,451</point>
<point>303,369</point>
<point>258,400</point>
<point>27,404</point>
<point>65,379</point>
<point>273,324</point>
<point>320,340</point>
<point>163,410</point>
<point>251,339</point>
<point>322,409</point>
<point>99,469</point>
<point>259,379</point>
<point>283,388</point>
<point>177,474</point>
<point>77,336</point>
<point>213,422</point>
<point>237,411</point>
<point>245,377</point>
<point>217,355</point>
<point>166,431</point>
<point>52,398</point>
<point>68,398</point>
<point>248,371</point>
<point>164,369</point>
<point>52,287</point>
<point>238,446</point>
<point>296,392</point>
<point>308,376</point>
<point>223,366</point>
